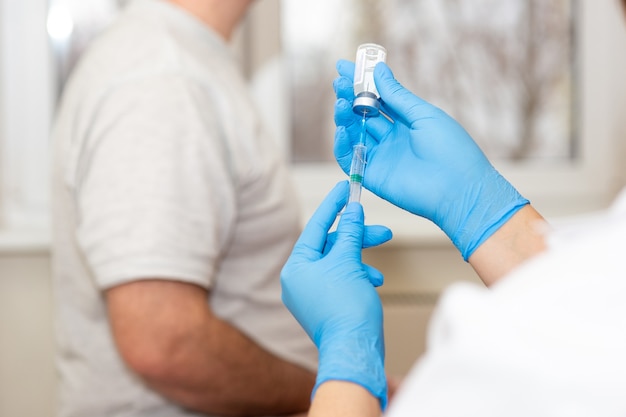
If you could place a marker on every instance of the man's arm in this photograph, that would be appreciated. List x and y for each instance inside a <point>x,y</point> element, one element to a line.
<point>517,240</point>
<point>167,334</point>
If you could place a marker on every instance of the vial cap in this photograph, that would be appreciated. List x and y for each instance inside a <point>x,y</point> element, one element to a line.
<point>366,103</point>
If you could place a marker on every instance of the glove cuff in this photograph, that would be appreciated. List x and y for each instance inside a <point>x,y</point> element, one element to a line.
<point>495,201</point>
<point>482,235</point>
<point>359,360</point>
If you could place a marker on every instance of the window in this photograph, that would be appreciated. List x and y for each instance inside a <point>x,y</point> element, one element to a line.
<point>537,83</point>
<point>567,161</point>
<point>34,61</point>
<point>504,70</point>
<point>39,42</point>
<point>26,97</point>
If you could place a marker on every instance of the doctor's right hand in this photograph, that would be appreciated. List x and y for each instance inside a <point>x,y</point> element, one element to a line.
<point>331,293</point>
<point>424,162</point>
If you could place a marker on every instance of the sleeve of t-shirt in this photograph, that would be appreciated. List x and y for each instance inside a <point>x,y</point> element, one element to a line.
<point>154,190</point>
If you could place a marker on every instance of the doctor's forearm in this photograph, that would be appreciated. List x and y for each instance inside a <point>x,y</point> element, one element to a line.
<point>344,399</point>
<point>516,241</point>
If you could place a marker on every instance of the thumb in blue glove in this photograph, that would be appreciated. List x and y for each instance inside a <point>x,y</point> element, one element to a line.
<point>331,293</point>
<point>423,161</point>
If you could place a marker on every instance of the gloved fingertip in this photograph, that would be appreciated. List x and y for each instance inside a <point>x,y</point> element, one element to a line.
<point>354,206</point>
<point>342,87</point>
<point>353,213</point>
<point>342,105</point>
<point>345,68</point>
<point>377,280</point>
<point>383,77</point>
<point>335,82</point>
<point>382,70</point>
<point>387,235</point>
<point>343,185</point>
<point>339,194</point>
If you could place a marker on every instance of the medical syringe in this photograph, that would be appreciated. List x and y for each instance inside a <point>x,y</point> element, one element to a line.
<point>366,102</point>
<point>357,168</point>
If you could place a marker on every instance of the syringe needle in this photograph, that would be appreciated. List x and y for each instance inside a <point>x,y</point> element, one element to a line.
<point>363,131</point>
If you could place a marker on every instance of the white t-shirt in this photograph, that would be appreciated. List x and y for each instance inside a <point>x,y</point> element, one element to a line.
<point>548,340</point>
<point>162,169</point>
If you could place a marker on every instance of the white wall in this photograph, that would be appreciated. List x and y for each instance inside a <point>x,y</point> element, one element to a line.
<point>27,377</point>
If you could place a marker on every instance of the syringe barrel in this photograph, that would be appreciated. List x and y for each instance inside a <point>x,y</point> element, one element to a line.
<point>357,169</point>
<point>365,91</point>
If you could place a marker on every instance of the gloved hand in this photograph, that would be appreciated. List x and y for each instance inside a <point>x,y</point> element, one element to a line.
<point>424,162</point>
<point>331,293</point>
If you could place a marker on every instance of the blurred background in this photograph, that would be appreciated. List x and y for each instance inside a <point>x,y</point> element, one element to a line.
<point>538,83</point>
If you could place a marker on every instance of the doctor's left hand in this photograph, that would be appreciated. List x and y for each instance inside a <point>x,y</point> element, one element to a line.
<point>331,293</point>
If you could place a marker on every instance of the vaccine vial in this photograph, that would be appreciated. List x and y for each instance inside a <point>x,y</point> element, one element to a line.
<point>366,96</point>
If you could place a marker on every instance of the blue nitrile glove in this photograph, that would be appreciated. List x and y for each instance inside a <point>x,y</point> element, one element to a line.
<point>331,293</point>
<point>424,162</point>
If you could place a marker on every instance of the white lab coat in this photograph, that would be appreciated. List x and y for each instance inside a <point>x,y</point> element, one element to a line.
<point>548,340</point>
